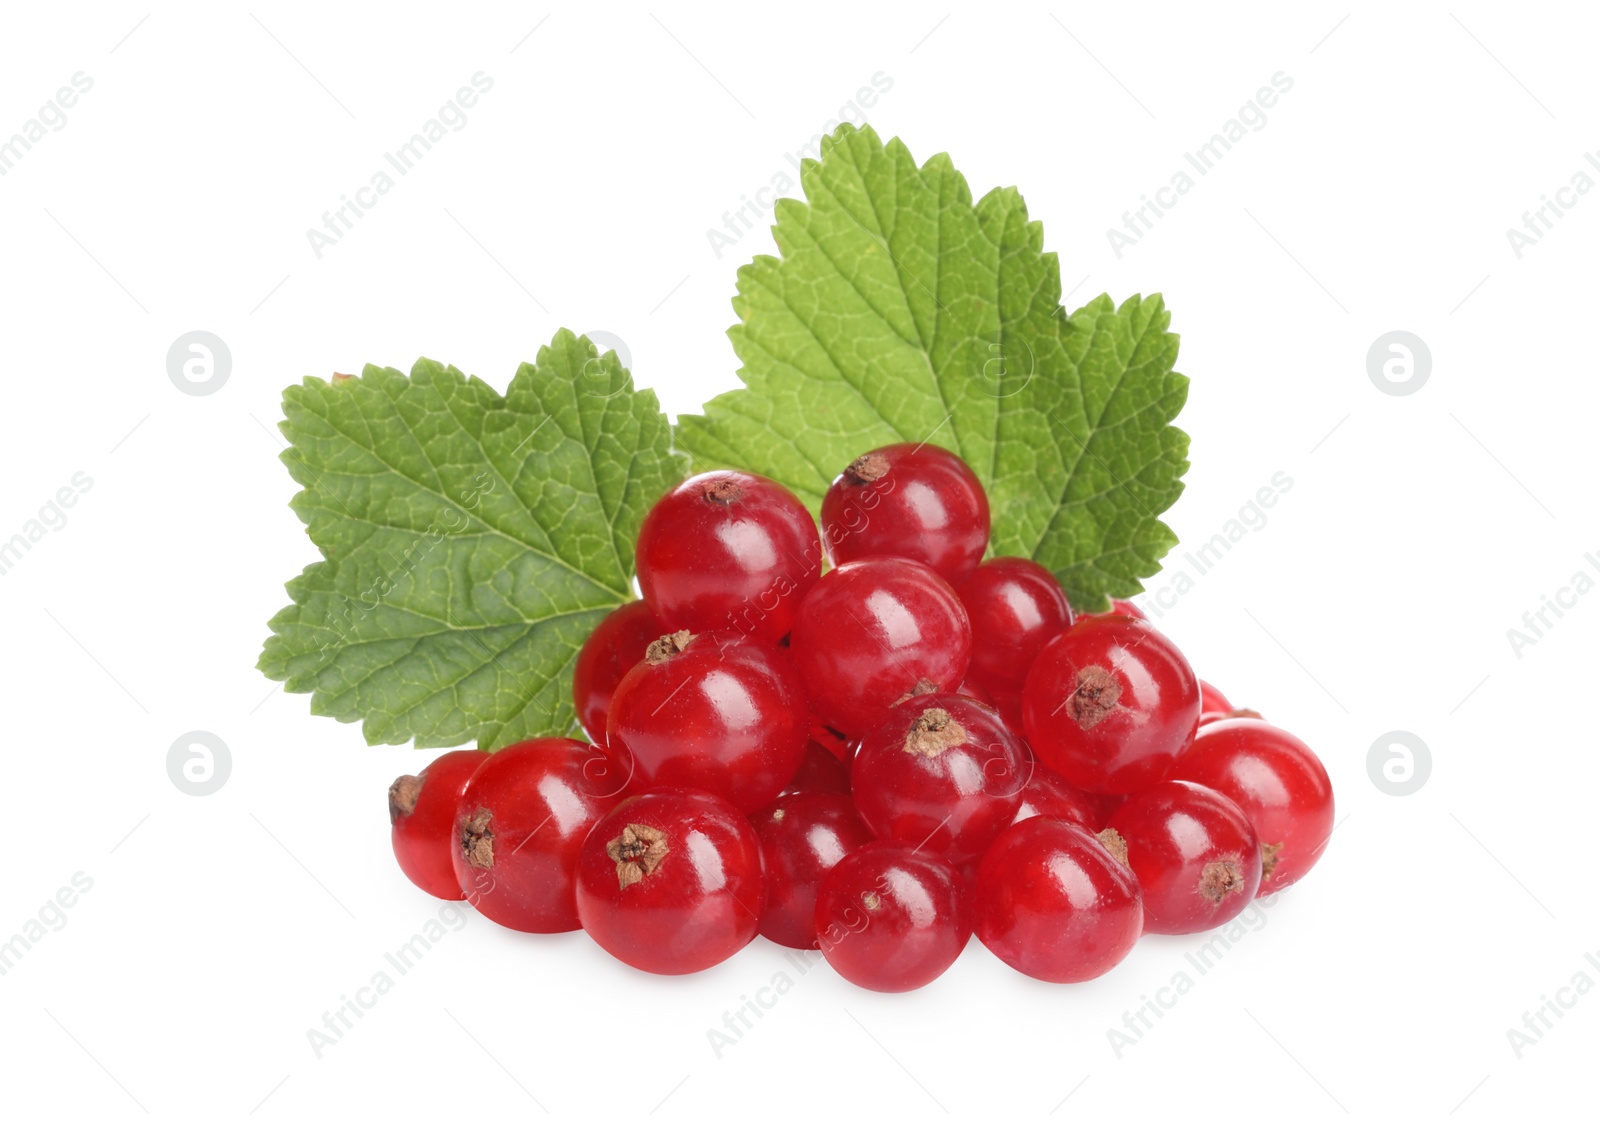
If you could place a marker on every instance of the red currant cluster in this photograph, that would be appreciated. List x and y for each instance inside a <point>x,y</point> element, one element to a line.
<point>878,761</point>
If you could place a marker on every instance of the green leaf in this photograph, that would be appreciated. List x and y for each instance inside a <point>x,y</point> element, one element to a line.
<point>472,541</point>
<point>899,311</point>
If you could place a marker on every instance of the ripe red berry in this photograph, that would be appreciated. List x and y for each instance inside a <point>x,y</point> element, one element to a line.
<point>728,551</point>
<point>831,739</point>
<point>616,647</point>
<point>1212,700</point>
<point>941,772</point>
<point>518,827</point>
<point>1016,607</point>
<point>891,918</point>
<point>819,771</point>
<point>1110,703</point>
<point>721,713</point>
<point>1048,793</point>
<point>422,816</point>
<point>1118,607</point>
<point>1054,904</point>
<point>911,500</point>
<point>802,836</point>
<point>1196,857</point>
<point>873,631</point>
<point>1277,781</point>
<point>670,882</point>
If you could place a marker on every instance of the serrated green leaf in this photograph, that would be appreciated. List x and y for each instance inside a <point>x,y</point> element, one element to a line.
<point>472,541</point>
<point>900,311</point>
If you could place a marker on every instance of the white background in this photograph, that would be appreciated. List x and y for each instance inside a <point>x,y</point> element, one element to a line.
<point>1377,597</point>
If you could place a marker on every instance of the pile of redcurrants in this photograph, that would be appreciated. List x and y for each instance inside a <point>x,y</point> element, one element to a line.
<point>877,761</point>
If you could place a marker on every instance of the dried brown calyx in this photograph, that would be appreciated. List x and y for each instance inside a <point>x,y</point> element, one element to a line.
<point>1095,699</point>
<point>403,795</point>
<point>722,491</point>
<point>477,841</point>
<point>1219,879</point>
<point>1269,859</point>
<point>1116,846</point>
<point>867,469</point>
<point>923,686</point>
<point>933,732</point>
<point>1243,713</point>
<point>667,646</point>
<point>637,852</point>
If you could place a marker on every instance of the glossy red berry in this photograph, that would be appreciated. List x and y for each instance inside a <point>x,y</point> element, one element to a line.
<point>911,500</point>
<point>1016,607</point>
<point>1054,904</point>
<point>874,631</point>
<point>803,836</point>
<point>670,882</point>
<point>940,772</point>
<point>728,551</point>
<point>722,713</point>
<point>1110,703</point>
<point>1277,781</point>
<point>1048,793</point>
<point>1196,857</point>
<point>616,647</point>
<point>1212,700</point>
<point>422,816</point>
<point>819,771</point>
<point>835,742</point>
<point>518,827</point>
<point>892,918</point>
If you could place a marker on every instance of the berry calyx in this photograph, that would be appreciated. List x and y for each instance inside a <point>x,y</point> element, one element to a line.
<point>911,500</point>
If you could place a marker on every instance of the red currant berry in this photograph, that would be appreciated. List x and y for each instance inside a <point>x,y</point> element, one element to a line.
<point>670,882</point>
<point>1196,857</point>
<point>422,816</point>
<point>721,713</point>
<point>911,500</point>
<point>1054,904</point>
<point>728,551</point>
<point>820,771</point>
<point>1277,781</point>
<point>1016,607</point>
<point>1212,700</point>
<point>873,631</point>
<point>1048,793</point>
<point>891,918</point>
<point>802,837</point>
<point>615,648</point>
<point>1110,703</point>
<point>832,740</point>
<point>518,827</point>
<point>941,772</point>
